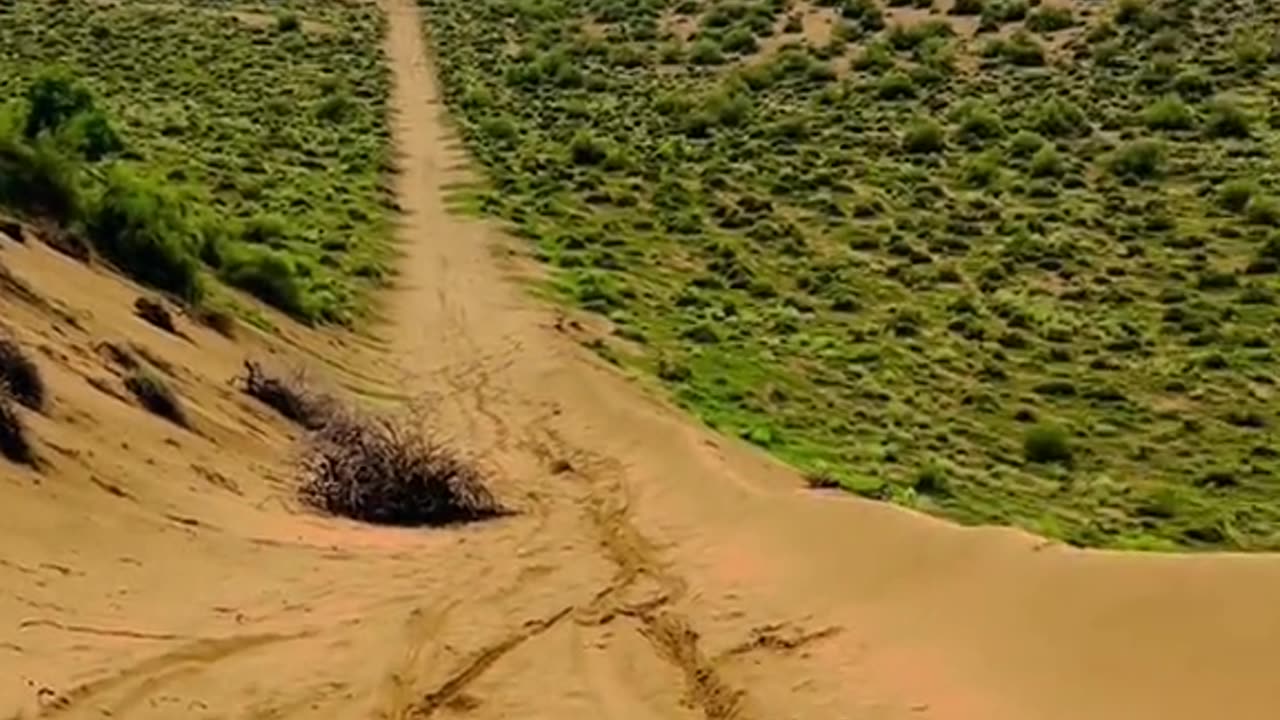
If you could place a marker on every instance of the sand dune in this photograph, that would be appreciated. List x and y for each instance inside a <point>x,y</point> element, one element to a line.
<point>654,570</point>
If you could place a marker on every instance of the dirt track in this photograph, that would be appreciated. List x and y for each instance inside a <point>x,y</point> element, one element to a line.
<point>654,571</point>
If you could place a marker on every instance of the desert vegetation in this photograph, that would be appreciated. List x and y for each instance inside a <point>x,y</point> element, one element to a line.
<point>1005,262</point>
<point>374,468</point>
<point>199,144</point>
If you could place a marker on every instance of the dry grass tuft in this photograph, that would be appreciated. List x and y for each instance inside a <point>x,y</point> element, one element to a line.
<point>19,374</point>
<point>154,394</point>
<point>290,395</point>
<point>14,443</point>
<point>155,313</point>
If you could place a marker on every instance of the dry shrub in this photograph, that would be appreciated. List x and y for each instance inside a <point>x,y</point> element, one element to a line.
<point>19,374</point>
<point>291,396</point>
<point>385,471</point>
<point>217,320</point>
<point>117,355</point>
<point>154,312</point>
<point>14,444</point>
<point>156,396</point>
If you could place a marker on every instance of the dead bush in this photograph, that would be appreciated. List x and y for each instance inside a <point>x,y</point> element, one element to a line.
<point>117,355</point>
<point>14,444</point>
<point>20,375</point>
<point>292,396</point>
<point>154,394</point>
<point>155,313</point>
<point>385,471</point>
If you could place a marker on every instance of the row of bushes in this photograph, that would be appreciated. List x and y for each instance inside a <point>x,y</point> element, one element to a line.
<point>60,161</point>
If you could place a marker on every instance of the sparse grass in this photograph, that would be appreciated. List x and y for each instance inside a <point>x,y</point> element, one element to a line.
<point>155,395</point>
<point>20,376</point>
<point>386,471</point>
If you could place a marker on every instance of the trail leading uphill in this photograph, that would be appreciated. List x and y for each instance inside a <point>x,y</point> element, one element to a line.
<point>654,570</point>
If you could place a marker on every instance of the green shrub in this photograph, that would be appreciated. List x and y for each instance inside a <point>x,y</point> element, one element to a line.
<point>1050,18</point>
<point>982,170</point>
<point>1169,113</point>
<point>1025,143</point>
<point>37,176</point>
<point>1057,117</point>
<point>924,136</point>
<point>978,122</point>
<point>739,40</point>
<point>1192,83</point>
<point>143,228</point>
<point>1044,443</point>
<point>586,149</point>
<point>932,480</point>
<point>1139,159</point>
<point>288,22</point>
<point>1047,162</point>
<point>1227,119</point>
<point>53,98</point>
<point>1019,49</point>
<point>706,52</point>
<point>1263,210</point>
<point>1235,194</point>
<point>896,85</point>
<point>1130,11</point>
<point>269,275</point>
<point>968,7</point>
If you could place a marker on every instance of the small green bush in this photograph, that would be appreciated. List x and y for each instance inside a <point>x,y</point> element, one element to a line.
<point>1025,143</point>
<point>1058,117</point>
<point>896,85</point>
<point>54,97</point>
<point>1192,83</point>
<point>1140,159</point>
<point>1050,18</point>
<point>978,122</point>
<point>1263,210</point>
<point>143,228</point>
<point>1047,162</point>
<point>271,276</point>
<point>1020,49</point>
<point>968,7</point>
<point>1044,443</point>
<point>1169,113</point>
<point>706,52</point>
<point>924,136</point>
<point>37,176</point>
<point>1227,119</point>
<point>1236,194</point>
<point>288,22</point>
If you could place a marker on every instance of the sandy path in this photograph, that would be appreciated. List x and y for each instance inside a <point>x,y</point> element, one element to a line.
<point>654,571</point>
<point>773,602</point>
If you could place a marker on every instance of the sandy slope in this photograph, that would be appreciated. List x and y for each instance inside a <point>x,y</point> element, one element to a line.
<point>654,571</point>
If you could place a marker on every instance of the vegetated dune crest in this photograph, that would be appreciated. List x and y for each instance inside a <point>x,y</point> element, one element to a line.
<point>654,570</point>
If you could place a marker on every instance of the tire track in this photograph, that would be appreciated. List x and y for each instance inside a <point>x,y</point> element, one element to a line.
<point>156,671</point>
<point>473,669</point>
